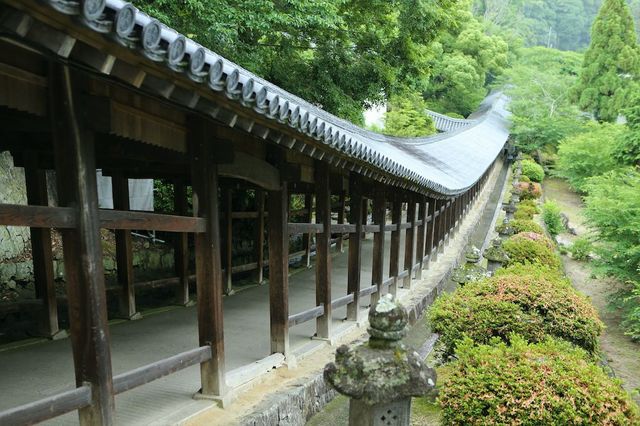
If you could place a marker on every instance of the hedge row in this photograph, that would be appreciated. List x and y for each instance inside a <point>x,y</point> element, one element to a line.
<point>524,344</point>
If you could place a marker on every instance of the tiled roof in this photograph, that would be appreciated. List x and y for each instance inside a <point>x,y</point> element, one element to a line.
<point>446,164</point>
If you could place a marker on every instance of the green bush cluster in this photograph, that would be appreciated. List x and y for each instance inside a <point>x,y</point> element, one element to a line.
<point>551,217</point>
<point>529,204</point>
<point>581,249</point>
<point>532,170</point>
<point>522,248</point>
<point>525,345</point>
<point>526,225</point>
<point>525,212</point>
<point>524,302</point>
<point>546,383</point>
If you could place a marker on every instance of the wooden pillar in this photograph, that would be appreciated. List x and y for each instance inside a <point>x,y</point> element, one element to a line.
<point>341,213</point>
<point>356,206</point>
<point>84,271</point>
<point>124,251</point>
<point>41,252</point>
<point>379,218</point>
<point>365,216</point>
<point>442,225</point>
<point>432,209</point>
<point>307,238</point>
<point>278,207</point>
<point>409,239</point>
<point>449,221</point>
<point>228,264</point>
<point>422,217</point>
<point>437,219</point>
<point>323,244</point>
<point>209,285</point>
<point>260,235</point>
<point>394,258</point>
<point>181,247</point>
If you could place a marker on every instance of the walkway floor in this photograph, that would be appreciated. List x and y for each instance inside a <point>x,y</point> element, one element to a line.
<point>38,370</point>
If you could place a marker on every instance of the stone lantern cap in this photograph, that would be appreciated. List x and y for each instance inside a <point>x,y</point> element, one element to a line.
<point>495,252</point>
<point>382,370</point>
<point>505,229</point>
<point>471,270</point>
<point>511,207</point>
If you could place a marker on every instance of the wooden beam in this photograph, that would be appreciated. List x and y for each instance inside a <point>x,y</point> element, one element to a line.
<point>278,206</point>
<point>394,257</point>
<point>42,255</point>
<point>47,408</point>
<point>204,179</point>
<point>356,207</point>
<point>181,245</point>
<point>379,218</point>
<point>260,236</point>
<point>409,240</point>
<point>305,316</point>
<point>252,169</point>
<point>323,245</point>
<point>156,370</point>
<point>305,228</point>
<point>114,219</point>
<point>124,251</point>
<point>77,188</point>
<point>38,216</point>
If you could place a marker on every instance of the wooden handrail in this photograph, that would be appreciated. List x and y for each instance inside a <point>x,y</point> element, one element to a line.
<point>305,316</point>
<point>342,301</point>
<point>150,372</point>
<point>47,408</point>
<point>65,218</point>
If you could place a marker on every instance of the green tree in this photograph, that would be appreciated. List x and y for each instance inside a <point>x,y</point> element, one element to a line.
<point>341,55</point>
<point>465,61</point>
<point>538,83</point>
<point>627,150</point>
<point>588,154</point>
<point>406,117</point>
<point>611,63</point>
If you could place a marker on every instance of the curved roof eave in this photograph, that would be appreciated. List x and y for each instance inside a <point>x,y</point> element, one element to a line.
<point>446,164</point>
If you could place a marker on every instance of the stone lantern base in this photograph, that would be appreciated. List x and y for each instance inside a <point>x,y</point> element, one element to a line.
<point>397,413</point>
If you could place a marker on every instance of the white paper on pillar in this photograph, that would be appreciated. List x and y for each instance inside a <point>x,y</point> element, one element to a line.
<point>140,193</point>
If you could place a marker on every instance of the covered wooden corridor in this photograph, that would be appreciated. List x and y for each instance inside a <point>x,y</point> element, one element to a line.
<point>99,85</point>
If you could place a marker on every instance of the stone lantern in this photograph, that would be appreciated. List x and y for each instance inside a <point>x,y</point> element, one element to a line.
<point>383,374</point>
<point>505,230</point>
<point>471,270</point>
<point>495,255</point>
<point>510,208</point>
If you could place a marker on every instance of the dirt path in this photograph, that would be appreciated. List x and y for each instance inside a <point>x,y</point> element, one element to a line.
<point>620,350</point>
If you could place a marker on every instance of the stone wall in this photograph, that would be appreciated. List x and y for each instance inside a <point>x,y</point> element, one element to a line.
<point>14,240</point>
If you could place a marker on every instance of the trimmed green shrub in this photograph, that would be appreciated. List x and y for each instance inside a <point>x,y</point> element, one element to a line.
<point>548,383</point>
<point>551,217</point>
<point>529,191</point>
<point>581,249</point>
<point>521,225</point>
<point>529,204</point>
<point>531,305</point>
<point>524,178</point>
<point>534,270</point>
<point>522,248</point>
<point>532,170</point>
<point>525,212</point>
